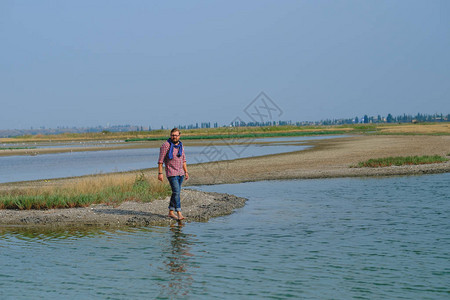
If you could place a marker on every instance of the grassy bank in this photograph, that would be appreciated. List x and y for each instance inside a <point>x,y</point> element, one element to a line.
<point>110,189</point>
<point>243,135</point>
<point>16,148</point>
<point>163,134</point>
<point>402,160</point>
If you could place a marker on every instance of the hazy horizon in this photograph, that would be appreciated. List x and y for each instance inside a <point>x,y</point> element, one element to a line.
<point>199,123</point>
<point>150,63</point>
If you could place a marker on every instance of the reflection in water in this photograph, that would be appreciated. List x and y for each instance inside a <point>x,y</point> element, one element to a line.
<point>36,234</point>
<point>43,234</point>
<point>178,264</point>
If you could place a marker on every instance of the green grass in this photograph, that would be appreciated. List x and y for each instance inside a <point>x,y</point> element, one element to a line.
<point>164,133</point>
<point>109,189</point>
<point>16,148</point>
<point>402,160</point>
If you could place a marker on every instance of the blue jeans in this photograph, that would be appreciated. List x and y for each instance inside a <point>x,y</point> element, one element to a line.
<point>175,184</point>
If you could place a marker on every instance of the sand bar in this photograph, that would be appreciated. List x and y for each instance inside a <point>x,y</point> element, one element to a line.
<point>329,159</point>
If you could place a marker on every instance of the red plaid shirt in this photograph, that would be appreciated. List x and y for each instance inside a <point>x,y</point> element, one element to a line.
<point>174,167</point>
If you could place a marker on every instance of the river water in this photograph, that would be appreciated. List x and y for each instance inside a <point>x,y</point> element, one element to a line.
<point>358,238</point>
<point>48,166</point>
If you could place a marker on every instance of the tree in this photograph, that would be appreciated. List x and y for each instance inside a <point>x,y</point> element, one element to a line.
<point>389,118</point>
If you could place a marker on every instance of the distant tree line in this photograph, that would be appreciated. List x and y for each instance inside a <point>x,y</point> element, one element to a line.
<point>196,126</point>
<point>419,118</point>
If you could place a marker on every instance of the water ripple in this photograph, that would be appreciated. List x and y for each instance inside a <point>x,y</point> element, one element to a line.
<point>322,239</point>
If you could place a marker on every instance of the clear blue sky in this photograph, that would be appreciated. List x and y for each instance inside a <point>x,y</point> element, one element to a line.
<point>89,63</point>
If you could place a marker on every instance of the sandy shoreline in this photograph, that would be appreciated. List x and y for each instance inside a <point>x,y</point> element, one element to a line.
<point>121,146</point>
<point>327,159</point>
<point>105,147</point>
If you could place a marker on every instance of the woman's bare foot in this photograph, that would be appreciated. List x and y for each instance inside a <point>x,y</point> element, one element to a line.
<point>180,216</point>
<point>172,215</point>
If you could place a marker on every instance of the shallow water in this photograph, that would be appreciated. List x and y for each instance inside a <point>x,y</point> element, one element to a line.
<point>385,238</point>
<point>48,166</point>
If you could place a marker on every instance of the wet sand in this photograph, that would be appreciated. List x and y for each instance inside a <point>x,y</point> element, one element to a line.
<point>121,146</point>
<point>105,147</point>
<point>326,159</point>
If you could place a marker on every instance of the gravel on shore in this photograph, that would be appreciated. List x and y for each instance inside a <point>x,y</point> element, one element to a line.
<point>197,206</point>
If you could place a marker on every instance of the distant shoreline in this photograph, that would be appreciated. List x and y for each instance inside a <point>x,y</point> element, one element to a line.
<point>327,158</point>
<point>39,151</point>
<point>330,158</point>
<point>143,144</point>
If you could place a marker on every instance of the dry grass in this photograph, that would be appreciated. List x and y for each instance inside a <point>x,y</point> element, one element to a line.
<point>110,189</point>
<point>427,129</point>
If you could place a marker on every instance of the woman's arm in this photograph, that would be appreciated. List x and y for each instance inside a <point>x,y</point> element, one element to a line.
<point>186,175</point>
